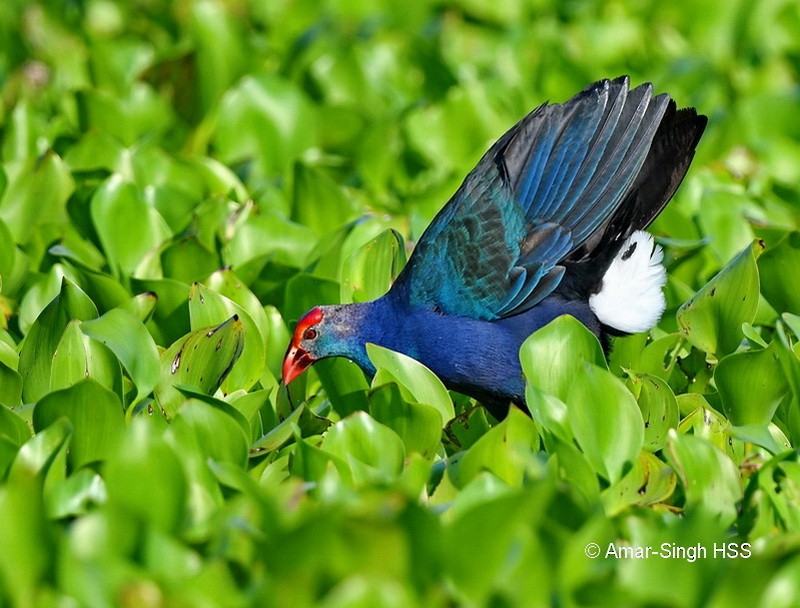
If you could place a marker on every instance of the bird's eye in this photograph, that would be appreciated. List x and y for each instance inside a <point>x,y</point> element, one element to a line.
<point>310,334</point>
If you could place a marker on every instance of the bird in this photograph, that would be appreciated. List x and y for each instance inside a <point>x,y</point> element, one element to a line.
<point>550,222</point>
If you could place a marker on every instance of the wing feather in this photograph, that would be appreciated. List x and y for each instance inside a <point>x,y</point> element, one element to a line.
<point>545,188</point>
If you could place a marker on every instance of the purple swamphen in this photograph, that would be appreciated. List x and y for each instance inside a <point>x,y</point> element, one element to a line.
<point>550,222</point>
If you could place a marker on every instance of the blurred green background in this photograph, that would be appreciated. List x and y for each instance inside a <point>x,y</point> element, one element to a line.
<point>168,165</point>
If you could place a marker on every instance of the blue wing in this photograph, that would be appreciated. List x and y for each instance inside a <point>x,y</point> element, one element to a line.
<point>536,196</point>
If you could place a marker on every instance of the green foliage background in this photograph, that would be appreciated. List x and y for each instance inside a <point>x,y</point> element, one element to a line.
<point>181,180</point>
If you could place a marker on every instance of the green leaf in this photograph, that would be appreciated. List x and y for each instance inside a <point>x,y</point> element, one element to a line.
<point>38,454</point>
<point>650,481</point>
<point>319,202</point>
<point>144,477</point>
<point>36,197</point>
<point>554,354</point>
<point>36,355</point>
<point>506,451</point>
<point>95,414</point>
<point>10,379</point>
<point>266,118</point>
<point>207,307</point>
<point>659,410</point>
<point>421,383</point>
<point>775,267</point>
<point>76,495</point>
<point>709,478</point>
<point>218,436</point>
<point>7,253</point>
<point>370,270</point>
<point>271,235</point>
<point>78,357</point>
<point>751,385</point>
<point>712,319</point>
<point>128,228</point>
<point>550,414</point>
<point>142,305</point>
<point>187,259</point>
<point>26,548</point>
<point>126,336</point>
<point>417,425</point>
<point>373,451</point>
<point>606,421</point>
<point>344,384</point>
<point>201,359</point>
<point>13,427</point>
<point>313,464</point>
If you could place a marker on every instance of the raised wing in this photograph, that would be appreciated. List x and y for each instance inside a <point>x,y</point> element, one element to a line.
<point>535,197</point>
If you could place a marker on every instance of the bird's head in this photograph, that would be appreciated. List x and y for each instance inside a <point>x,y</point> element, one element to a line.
<point>334,331</point>
<point>306,345</point>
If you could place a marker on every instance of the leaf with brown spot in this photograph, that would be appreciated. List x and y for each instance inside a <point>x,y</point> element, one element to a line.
<point>196,361</point>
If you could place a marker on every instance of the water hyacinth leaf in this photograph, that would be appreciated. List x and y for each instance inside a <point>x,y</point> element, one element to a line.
<point>76,495</point>
<point>42,292</point>
<point>126,336</point>
<point>312,463</point>
<point>187,259</point>
<point>606,421</point>
<point>278,435</point>
<point>489,529</point>
<point>779,479</point>
<point>270,234</point>
<point>37,454</point>
<point>315,192</point>
<point>14,428</point>
<point>659,410</point>
<point>217,435</point>
<point>206,308</point>
<point>751,385</point>
<point>218,404</point>
<point>553,355</point>
<point>417,425</point>
<point>421,383</point>
<point>263,117</point>
<point>142,305</point>
<point>8,452</point>
<point>26,548</point>
<point>707,423</point>
<point>36,355</point>
<point>95,414</point>
<point>7,252</point>
<point>304,291</point>
<point>574,468</point>
<point>650,481</point>
<point>10,379</point>
<point>373,451</point>
<point>712,319</point>
<point>36,196</point>
<point>145,478</point>
<point>344,384</point>
<point>170,318</point>
<point>465,429</point>
<point>550,414</point>
<point>202,359</point>
<point>506,451</point>
<point>369,271</point>
<point>709,478</point>
<point>778,263</point>
<point>128,228</point>
<point>769,437</point>
<point>78,357</point>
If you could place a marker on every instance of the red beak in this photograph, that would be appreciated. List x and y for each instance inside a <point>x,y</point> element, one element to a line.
<point>295,363</point>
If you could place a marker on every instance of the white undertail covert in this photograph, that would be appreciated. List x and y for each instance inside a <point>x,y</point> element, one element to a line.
<point>631,299</point>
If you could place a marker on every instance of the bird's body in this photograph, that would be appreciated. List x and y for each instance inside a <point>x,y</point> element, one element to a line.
<point>549,223</point>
